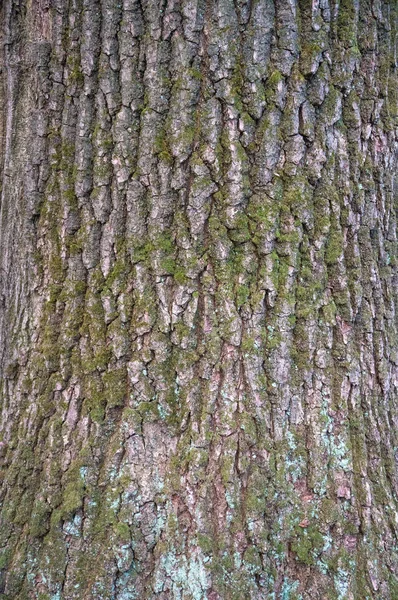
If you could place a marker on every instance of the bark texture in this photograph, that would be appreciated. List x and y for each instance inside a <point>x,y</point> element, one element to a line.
<point>198,291</point>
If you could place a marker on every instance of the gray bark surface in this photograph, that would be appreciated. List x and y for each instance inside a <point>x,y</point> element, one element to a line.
<point>198,300</point>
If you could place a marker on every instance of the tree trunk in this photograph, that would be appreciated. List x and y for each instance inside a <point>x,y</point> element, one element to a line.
<point>198,291</point>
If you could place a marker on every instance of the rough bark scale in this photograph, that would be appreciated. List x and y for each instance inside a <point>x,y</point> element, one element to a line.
<point>198,328</point>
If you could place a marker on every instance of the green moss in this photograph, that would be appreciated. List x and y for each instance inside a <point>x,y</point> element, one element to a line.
<point>310,50</point>
<point>162,148</point>
<point>102,169</point>
<point>141,252</point>
<point>280,274</point>
<point>308,289</point>
<point>330,104</point>
<point>274,79</point>
<point>148,411</point>
<point>73,495</point>
<point>72,290</point>
<point>195,73</point>
<point>115,387</point>
<point>94,398</point>
<point>122,530</point>
<point>346,23</point>
<point>168,264</point>
<point>186,135</point>
<point>349,114</point>
<point>329,511</point>
<point>206,543</point>
<point>24,507</point>
<point>252,559</point>
<point>117,278</point>
<point>174,411</point>
<point>240,231</point>
<point>329,312</point>
<point>297,197</point>
<point>56,268</point>
<point>98,361</point>
<point>5,557</point>
<point>182,331</point>
<point>39,523</point>
<point>67,151</point>
<point>288,238</point>
<point>237,84</point>
<point>262,213</point>
<point>179,275</point>
<point>75,73</point>
<point>242,295</point>
<point>334,250</point>
<point>307,544</point>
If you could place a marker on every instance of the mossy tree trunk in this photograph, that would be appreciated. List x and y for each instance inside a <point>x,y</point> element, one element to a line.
<point>198,295</point>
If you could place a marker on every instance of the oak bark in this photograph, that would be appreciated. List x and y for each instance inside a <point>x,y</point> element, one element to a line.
<point>198,295</point>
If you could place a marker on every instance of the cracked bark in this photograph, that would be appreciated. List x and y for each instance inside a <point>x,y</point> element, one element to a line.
<point>198,288</point>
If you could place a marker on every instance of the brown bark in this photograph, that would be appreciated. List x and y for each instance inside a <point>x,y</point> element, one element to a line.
<point>198,288</point>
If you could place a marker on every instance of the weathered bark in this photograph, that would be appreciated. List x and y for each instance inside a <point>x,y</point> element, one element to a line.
<point>198,287</point>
